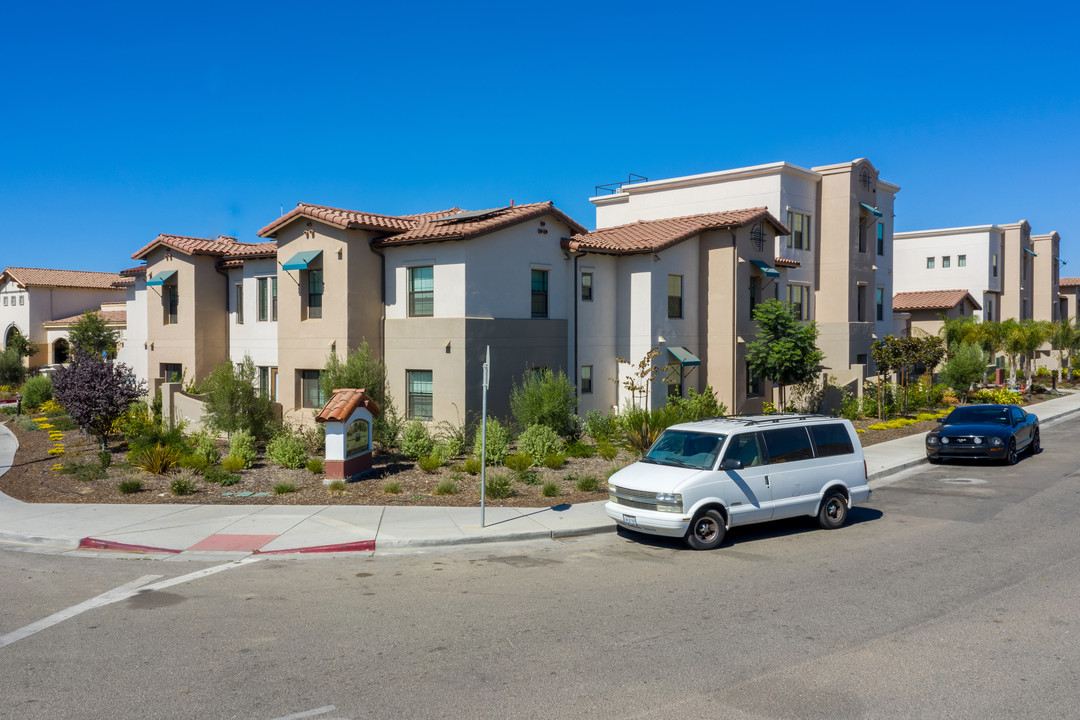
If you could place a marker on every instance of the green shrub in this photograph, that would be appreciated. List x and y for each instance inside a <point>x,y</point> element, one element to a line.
<point>519,462</point>
<point>156,460</point>
<point>286,450</point>
<point>600,425</point>
<point>416,441</point>
<point>336,487</point>
<point>539,441</point>
<point>554,460</point>
<point>24,423</point>
<point>639,427</point>
<point>62,423</point>
<point>472,465</point>
<point>9,410</point>
<point>205,446</point>
<point>446,487</point>
<point>194,461</point>
<point>182,486</point>
<point>218,474</point>
<point>84,472</point>
<point>498,485</point>
<point>104,459</point>
<point>233,464</point>
<point>315,465</point>
<point>585,483</point>
<point>392,488</point>
<point>284,488</point>
<point>129,486</point>
<point>429,463</point>
<point>36,391</point>
<point>451,437</point>
<point>545,398</point>
<point>242,445</point>
<point>997,396</point>
<point>578,449</point>
<point>528,477</point>
<point>498,442</point>
<point>607,450</point>
<point>695,406</point>
<point>443,451</point>
<point>550,489</point>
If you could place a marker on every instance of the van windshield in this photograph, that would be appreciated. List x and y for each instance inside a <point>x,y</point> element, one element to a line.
<point>682,448</point>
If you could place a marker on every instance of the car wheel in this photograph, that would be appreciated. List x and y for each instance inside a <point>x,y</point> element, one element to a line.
<point>1036,444</point>
<point>833,513</point>
<point>707,531</point>
<point>1010,454</point>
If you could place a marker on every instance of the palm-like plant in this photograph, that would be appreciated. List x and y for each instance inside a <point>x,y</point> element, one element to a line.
<point>1012,344</point>
<point>992,340</point>
<point>957,331</point>
<point>1065,339</point>
<point>1032,334</point>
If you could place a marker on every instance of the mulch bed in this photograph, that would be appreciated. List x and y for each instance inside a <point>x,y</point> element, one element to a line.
<point>32,478</point>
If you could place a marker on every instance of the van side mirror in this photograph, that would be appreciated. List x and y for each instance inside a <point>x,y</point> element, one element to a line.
<point>731,464</point>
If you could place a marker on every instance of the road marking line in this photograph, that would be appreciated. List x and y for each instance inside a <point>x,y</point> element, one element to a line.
<point>307,713</point>
<point>123,592</point>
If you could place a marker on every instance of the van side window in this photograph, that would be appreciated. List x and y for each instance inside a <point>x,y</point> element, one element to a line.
<point>745,448</point>
<point>832,439</point>
<point>789,444</point>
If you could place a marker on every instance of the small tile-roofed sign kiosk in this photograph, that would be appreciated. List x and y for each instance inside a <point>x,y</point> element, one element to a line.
<point>348,417</point>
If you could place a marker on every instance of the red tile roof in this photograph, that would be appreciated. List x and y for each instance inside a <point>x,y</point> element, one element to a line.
<point>111,317</point>
<point>655,235</point>
<point>343,402</point>
<point>41,277</point>
<point>932,300</point>
<point>1069,282</point>
<point>134,272</point>
<point>349,219</point>
<point>787,262</point>
<point>249,251</point>
<point>436,227</point>
<point>188,245</point>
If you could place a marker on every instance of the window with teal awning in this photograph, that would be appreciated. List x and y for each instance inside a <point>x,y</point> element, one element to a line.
<point>301,260</point>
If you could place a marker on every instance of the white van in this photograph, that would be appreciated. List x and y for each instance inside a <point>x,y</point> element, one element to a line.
<point>701,478</point>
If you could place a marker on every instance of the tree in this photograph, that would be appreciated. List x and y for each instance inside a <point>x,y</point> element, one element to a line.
<point>21,344</point>
<point>640,378</point>
<point>784,350</point>
<point>964,368</point>
<point>12,371</point>
<point>956,331</point>
<point>544,398</point>
<point>885,353</point>
<point>363,371</point>
<point>95,392</point>
<point>992,340</point>
<point>1064,337</point>
<point>232,401</point>
<point>92,333</point>
<point>931,353</point>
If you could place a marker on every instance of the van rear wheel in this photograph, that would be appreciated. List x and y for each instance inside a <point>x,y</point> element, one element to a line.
<point>833,513</point>
<point>707,531</point>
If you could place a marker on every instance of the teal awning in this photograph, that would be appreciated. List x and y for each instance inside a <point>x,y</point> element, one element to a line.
<point>1060,260</point>
<point>873,210</point>
<point>766,268</point>
<point>1033,253</point>
<point>300,260</point>
<point>161,278</point>
<point>684,356</point>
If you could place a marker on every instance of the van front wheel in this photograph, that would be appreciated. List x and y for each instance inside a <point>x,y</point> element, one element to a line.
<point>707,531</point>
<point>833,513</point>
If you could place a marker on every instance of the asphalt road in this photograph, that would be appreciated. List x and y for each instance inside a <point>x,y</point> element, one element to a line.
<point>954,594</point>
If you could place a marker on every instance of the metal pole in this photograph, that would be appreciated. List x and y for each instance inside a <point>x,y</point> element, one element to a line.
<point>483,435</point>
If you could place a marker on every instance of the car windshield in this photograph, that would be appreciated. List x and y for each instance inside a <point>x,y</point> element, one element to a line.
<point>976,414</point>
<point>683,448</point>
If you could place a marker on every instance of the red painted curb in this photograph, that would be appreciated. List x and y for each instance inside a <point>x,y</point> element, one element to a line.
<point>95,544</point>
<point>360,546</point>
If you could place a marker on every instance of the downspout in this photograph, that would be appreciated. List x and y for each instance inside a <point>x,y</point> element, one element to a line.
<point>228,332</point>
<point>382,300</point>
<point>576,289</point>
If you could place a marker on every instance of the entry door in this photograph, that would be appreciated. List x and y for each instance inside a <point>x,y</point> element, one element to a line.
<point>749,494</point>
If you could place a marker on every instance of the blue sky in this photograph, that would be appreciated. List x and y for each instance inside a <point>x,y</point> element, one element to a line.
<point>123,121</point>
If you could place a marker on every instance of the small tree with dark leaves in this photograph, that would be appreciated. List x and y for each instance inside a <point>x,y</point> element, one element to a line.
<point>95,392</point>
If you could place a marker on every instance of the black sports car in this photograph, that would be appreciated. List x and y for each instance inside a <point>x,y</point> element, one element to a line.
<point>996,432</point>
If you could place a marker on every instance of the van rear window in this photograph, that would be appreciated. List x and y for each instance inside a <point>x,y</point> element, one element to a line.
<point>788,444</point>
<point>832,439</point>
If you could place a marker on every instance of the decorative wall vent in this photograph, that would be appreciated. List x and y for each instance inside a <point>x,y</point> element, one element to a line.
<point>757,236</point>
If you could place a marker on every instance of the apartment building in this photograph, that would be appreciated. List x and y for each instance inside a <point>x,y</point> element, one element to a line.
<point>252,286</point>
<point>837,250</point>
<point>1046,300</point>
<point>925,308</point>
<point>32,297</point>
<point>134,342</point>
<point>686,286</point>
<point>1069,289</point>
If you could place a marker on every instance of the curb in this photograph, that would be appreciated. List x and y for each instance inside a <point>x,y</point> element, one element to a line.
<point>38,541</point>
<point>88,543</point>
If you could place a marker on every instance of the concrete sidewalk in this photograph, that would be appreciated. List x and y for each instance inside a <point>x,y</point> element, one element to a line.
<point>218,531</point>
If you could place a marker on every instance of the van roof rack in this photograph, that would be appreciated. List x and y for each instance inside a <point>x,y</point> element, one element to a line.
<point>769,419</point>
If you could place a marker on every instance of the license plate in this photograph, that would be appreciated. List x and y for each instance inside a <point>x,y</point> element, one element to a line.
<point>630,520</point>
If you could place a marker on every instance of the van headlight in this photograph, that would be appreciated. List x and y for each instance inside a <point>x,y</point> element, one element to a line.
<point>669,502</point>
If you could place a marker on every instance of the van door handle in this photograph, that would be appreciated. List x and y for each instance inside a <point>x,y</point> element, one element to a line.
<point>767,482</point>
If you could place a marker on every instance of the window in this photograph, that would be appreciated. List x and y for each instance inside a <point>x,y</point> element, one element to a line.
<point>746,449</point>
<point>1023,265</point>
<point>267,299</point>
<point>880,238</point>
<point>862,234</point>
<point>22,300</point>
<point>946,261</point>
<point>539,293</point>
<point>753,382</point>
<point>172,372</point>
<point>789,444</point>
<point>861,293</point>
<point>5,301</point>
<point>799,225</point>
<point>994,264</point>
<point>171,299</point>
<point>880,299</point>
<point>239,303</point>
<point>929,263</point>
<point>961,261</point>
<point>315,294</point>
<point>798,297</point>
<point>264,382</point>
<point>586,286</point>
<point>419,394</point>
<point>422,291</point>
<point>753,295</point>
<point>586,379</point>
<point>832,439</point>
<point>311,395</point>
<point>356,437</point>
<point>860,359</point>
<point>674,296</point>
<point>990,310</point>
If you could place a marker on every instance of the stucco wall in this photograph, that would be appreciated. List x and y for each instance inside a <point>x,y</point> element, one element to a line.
<point>978,244</point>
<point>255,338</point>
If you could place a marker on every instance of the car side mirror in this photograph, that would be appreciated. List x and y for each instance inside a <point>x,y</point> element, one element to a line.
<point>731,464</point>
